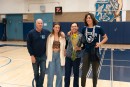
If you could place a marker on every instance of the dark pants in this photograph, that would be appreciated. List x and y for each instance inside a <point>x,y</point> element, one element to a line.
<point>85,68</point>
<point>68,67</point>
<point>39,77</point>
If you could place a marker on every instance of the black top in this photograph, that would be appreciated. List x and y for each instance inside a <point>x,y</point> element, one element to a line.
<point>36,42</point>
<point>98,31</point>
<point>56,45</point>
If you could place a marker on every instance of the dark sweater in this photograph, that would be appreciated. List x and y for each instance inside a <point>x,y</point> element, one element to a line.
<point>36,42</point>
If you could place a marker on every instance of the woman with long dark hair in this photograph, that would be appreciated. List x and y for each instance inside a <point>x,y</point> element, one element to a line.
<point>91,33</point>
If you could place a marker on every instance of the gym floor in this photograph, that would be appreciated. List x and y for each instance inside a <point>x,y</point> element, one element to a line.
<point>16,69</point>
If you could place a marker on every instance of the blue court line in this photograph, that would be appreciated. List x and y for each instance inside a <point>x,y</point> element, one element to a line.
<point>7,62</point>
<point>16,45</point>
<point>33,82</point>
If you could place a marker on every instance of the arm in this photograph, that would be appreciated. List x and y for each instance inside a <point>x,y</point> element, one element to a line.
<point>79,43</point>
<point>105,38</point>
<point>47,45</point>
<point>47,51</point>
<point>29,44</point>
<point>29,47</point>
<point>119,8</point>
<point>69,33</point>
<point>66,44</point>
<point>63,34</point>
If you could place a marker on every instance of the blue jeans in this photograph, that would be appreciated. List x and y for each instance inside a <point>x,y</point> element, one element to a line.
<point>39,77</point>
<point>68,67</point>
<point>55,65</point>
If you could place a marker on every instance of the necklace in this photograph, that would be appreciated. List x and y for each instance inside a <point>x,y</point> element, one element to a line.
<point>90,38</point>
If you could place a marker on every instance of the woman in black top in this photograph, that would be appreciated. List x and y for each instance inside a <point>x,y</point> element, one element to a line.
<point>91,33</point>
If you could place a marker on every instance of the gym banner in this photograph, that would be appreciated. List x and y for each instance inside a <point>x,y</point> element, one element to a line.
<point>109,10</point>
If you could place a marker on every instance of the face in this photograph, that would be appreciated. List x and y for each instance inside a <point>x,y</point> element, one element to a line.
<point>39,24</point>
<point>56,28</point>
<point>89,20</point>
<point>74,28</point>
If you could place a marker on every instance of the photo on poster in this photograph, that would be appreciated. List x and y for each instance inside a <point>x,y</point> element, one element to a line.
<point>109,10</point>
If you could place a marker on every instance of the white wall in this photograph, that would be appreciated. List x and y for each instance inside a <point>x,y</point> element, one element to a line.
<point>33,6</point>
<point>67,5</point>
<point>125,7</point>
<point>127,4</point>
<point>12,6</point>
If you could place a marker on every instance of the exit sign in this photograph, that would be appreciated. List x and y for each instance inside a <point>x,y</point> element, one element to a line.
<point>58,10</point>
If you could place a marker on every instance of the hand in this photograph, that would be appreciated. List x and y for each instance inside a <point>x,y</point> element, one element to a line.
<point>65,53</point>
<point>98,45</point>
<point>77,48</point>
<point>33,59</point>
<point>116,13</point>
<point>69,33</point>
<point>62,34</point>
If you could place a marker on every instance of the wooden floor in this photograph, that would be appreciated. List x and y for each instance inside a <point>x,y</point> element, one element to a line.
<point>16,69</point>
